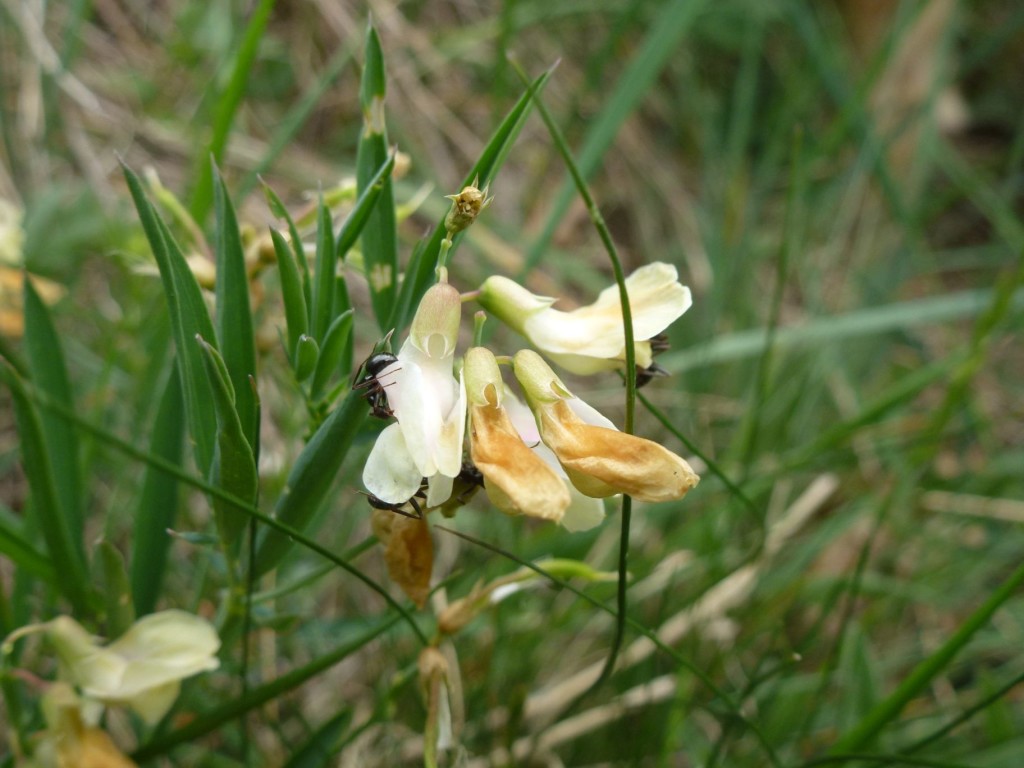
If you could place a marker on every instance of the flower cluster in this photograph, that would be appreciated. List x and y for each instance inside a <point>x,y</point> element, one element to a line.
<point>141,670</point>
<point>553,457</point>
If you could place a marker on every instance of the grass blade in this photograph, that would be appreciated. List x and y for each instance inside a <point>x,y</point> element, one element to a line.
<point>234,316</point>
<point>188,318</point>
<point>420,271</point>
<point>65,555</point>
<point>227,105</point>
<point>26,558</point>
<point>311,478</point>
<point>355,223</point>
<point>158,503</point>
<point>120,612</point>
<point>320,747</point>
<point>667,29</point>
<point>380,235</point>
<point>49,374</point>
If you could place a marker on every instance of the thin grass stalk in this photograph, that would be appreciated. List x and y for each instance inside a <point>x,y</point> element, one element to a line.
<point>627,329</point>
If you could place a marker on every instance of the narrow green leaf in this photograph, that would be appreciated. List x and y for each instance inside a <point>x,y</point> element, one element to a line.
<point>67,558</point>
<point>295,310</point>
<point>666,30</point>
<point>208,722</point>
<point>307,352</point>
<point>321,746</point>
<point>234,315</point>
<point>116,589</point>
<point>158,503</point>
<point>21,552</point>
<point>278,209</point>
<point>338,339</point>
<point>355,222</point>
<point>326,268</point>
<point>227,102</point>
<point>188,318</point>
<point>311,478</point>
<point>420,272</point>
<point>380,235</point>
<point>234,468</point>
<point>49,375</point>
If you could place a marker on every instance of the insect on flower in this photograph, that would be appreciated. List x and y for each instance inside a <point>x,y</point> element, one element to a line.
<point>375,393</point>
<point>399,508</point>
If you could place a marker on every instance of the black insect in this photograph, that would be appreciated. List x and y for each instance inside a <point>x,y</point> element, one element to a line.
<point>400,507</point>
<point>464,488</point>
<point>644,375</point>
<point>374,394</point>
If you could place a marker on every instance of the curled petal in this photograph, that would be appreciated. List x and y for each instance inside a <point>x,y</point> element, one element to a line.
<point>516,480</point>
<point>601,462</point>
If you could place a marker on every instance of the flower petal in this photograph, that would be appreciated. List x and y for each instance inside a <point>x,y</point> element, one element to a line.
<point>656,299</point>
<point>391,473</point>
<point>601,462</point>
<point>516,480</point>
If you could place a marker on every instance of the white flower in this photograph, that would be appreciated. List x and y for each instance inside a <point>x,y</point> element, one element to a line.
<point>142,669</point>
<point>600,460</point>
<point>429,403</point>
<point>591,338</point>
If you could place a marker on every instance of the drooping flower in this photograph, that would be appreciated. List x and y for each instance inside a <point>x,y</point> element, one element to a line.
<point>591,338</point>
<point>142,669</point>
<point>429,405</point>
<point>599,459</point>
<point>516,479</point>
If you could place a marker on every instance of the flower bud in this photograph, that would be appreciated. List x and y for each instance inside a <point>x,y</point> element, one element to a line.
<point>435,328</point>
<point>466,206</point>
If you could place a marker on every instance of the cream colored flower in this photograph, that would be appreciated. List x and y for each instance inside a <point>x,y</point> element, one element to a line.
<point>599,459</point>
<point>429,404</point>
<point>71,739</point>
<point>591,338</point>
<point>516,480</point>
<point>142,669</point>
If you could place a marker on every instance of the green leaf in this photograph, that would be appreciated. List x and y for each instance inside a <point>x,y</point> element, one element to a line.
<point>337,341</point>
<point>208,722</point>
<point>188,318</point>
<point>116,589</point>
<point>307,352</point>
<point>295,309</point>
<point>234,316</point>
<point>234,468</point>
<point>158,503</point>
<point>355,222</point>
<point>420,271</point>
<point>380,235</point>
<point>49,375</point>
<point>66,556</point>
<point>278,209</point>
<point>311,478</point>
<point>326,268</point>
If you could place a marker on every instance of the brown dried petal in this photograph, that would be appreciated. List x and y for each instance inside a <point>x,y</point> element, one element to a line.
<point>408,552</point>
<point>516,480</point>
<point>601,462</point>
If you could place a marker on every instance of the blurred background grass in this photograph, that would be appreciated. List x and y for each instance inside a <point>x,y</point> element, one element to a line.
<point>840,183</point>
